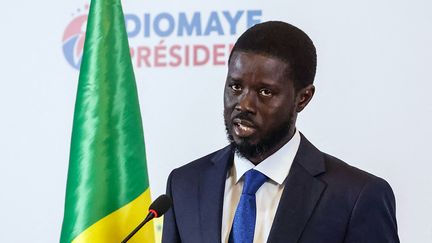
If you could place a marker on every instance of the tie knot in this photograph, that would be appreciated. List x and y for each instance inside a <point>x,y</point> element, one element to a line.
<point>253,181</point>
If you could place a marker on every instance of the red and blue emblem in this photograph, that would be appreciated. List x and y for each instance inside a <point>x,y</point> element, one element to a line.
<point>73,40</point>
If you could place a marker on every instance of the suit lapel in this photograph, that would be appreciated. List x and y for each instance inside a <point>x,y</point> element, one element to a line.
<point>211,192</point>
<point>300,196</point>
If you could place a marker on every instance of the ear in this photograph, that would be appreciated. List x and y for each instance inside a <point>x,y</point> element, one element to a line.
<point>304,96</point>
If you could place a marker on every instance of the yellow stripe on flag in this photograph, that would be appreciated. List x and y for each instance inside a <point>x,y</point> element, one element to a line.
<point>117,225</point>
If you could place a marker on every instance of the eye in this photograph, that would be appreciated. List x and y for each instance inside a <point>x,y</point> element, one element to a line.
<point>236,87</point>
<point>266,92</point>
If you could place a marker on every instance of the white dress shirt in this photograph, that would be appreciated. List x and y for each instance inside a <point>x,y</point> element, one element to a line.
<point>276,168</point>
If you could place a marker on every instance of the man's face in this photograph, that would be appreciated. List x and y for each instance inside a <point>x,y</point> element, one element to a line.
<point>259,104</point>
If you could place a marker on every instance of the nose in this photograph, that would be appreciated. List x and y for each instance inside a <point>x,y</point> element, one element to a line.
<point>246,102</point>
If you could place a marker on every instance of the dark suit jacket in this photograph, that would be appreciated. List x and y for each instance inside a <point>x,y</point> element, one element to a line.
<point>324,201</point>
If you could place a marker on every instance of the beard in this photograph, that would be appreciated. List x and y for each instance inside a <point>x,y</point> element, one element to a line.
<point>245,148</point>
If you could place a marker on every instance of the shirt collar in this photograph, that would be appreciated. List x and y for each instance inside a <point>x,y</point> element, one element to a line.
<point>276,166</point>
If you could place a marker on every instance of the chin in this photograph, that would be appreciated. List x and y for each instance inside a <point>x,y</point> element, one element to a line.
<point>246,148</point>
<point>244,142</point>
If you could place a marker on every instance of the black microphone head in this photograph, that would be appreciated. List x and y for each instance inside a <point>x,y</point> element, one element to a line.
<point>161,205</point>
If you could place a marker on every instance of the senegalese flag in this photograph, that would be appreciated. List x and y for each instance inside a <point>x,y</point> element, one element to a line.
<point>107,191</point>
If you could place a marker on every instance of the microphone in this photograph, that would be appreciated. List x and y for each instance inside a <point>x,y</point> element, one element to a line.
<point>156,209</point>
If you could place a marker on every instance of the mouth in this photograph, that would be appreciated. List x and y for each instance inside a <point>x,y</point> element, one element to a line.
<point>243,128</point>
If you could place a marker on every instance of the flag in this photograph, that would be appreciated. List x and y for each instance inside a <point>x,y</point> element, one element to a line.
<point>107,192</point>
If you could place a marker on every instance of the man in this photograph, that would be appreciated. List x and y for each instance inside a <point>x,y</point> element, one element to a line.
<point>271,184</point>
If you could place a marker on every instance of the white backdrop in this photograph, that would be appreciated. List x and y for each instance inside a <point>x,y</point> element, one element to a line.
<point>372,106</point>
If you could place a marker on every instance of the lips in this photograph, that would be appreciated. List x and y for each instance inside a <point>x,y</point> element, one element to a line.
<point>243,128</point>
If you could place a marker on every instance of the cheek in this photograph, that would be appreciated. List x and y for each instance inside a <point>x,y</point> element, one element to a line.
<point>275,107</point>
<point>229,99</point>
<point>228,106</point>
<point>277,113</point>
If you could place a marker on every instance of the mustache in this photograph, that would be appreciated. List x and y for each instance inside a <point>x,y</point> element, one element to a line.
<point>245,116</point>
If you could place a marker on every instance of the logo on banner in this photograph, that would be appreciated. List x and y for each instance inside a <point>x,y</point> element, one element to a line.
<point>171,39</point>
<point>73,39</point>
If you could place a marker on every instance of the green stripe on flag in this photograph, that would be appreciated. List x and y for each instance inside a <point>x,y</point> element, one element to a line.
<point>107,167</point>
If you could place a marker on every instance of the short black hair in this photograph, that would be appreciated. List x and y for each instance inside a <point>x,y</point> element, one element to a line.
<point>286,42</point>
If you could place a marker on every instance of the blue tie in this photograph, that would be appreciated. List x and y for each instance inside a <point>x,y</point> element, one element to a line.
<point>243,227</point>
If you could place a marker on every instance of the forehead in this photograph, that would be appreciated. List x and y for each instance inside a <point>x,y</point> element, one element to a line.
<point>258,67</point>
<point>249,63</point>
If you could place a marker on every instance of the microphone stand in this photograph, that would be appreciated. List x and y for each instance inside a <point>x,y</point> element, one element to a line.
<point>149,217</point>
